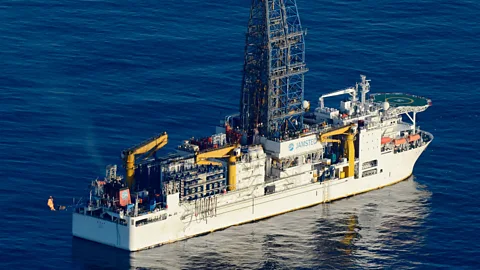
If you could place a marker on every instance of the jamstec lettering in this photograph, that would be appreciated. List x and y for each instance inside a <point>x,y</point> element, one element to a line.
<point>306,143</point>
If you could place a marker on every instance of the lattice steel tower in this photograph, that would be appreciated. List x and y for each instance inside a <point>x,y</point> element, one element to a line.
<point>273,76</point>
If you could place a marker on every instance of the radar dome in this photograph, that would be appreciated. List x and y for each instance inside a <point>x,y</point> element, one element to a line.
<point>386,105</point>
<point>306,104</point>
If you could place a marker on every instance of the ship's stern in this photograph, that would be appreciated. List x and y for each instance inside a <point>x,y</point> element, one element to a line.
<point>102,231</point>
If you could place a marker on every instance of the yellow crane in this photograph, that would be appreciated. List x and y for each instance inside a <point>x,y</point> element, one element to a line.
<point>202,158</point>
<point>350,132</point>
<point>147,149</point>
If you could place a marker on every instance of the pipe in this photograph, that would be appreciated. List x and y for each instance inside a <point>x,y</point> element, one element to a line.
<point>130,168</point>
<point>232,172</point>
<point>351,154</point>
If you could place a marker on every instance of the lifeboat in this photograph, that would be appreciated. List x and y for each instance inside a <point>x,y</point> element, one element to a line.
<point>386,140</point>
<point>413,138</point>
<point>400,141</point>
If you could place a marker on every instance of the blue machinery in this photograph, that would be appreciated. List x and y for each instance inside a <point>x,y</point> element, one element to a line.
<point>273,78</point>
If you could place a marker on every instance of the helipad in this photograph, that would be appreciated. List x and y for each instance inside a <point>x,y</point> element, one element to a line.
<point>400,99</point>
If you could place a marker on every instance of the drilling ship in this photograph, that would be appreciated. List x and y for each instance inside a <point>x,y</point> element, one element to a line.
<point>278,154</point>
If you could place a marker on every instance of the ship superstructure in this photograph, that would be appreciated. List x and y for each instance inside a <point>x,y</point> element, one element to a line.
<point>276,155</point>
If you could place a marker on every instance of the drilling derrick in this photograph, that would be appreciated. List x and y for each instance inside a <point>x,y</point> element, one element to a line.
<point>274,67</point>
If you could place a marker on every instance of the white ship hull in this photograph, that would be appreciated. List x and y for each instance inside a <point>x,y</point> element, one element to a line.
<point>188,220</point>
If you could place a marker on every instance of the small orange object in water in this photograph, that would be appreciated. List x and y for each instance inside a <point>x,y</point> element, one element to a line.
<point>50,203</point>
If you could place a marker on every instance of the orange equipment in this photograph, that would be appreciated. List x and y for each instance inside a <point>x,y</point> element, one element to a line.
<point>413,138</point>
<point>400,141</point>
<point>386,140</point>
<point>124,196</point>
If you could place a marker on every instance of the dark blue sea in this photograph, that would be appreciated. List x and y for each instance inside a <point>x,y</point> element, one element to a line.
<point>82,80</point>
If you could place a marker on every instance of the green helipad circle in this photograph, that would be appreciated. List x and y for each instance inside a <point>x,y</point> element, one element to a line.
<point>400,99</point>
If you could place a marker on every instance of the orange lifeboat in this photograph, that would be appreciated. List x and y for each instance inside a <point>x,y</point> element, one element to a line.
<point>386,140</point>
<point>400,141</point>
<point>413,138</point>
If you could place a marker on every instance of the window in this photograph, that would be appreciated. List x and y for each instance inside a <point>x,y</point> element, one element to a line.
<point>370,164</point>
<point>141,222</point>
<point>369,172</point>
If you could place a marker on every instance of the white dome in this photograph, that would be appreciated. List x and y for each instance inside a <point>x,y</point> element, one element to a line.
<point>306,104</point>
<point>386,105</point>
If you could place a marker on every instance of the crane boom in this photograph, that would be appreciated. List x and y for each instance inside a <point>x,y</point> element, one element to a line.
<point>331,141</point>
<point>338,131</point>
<point>147,148</point>
<point>216,153</point>
<point>203,158</point>
<point>351,91</point>
<point>350,131</point>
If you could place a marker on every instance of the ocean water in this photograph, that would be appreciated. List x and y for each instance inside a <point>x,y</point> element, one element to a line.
<point>82,80</point>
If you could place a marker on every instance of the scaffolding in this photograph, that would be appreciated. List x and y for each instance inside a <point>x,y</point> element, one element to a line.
<point>274,68</point>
